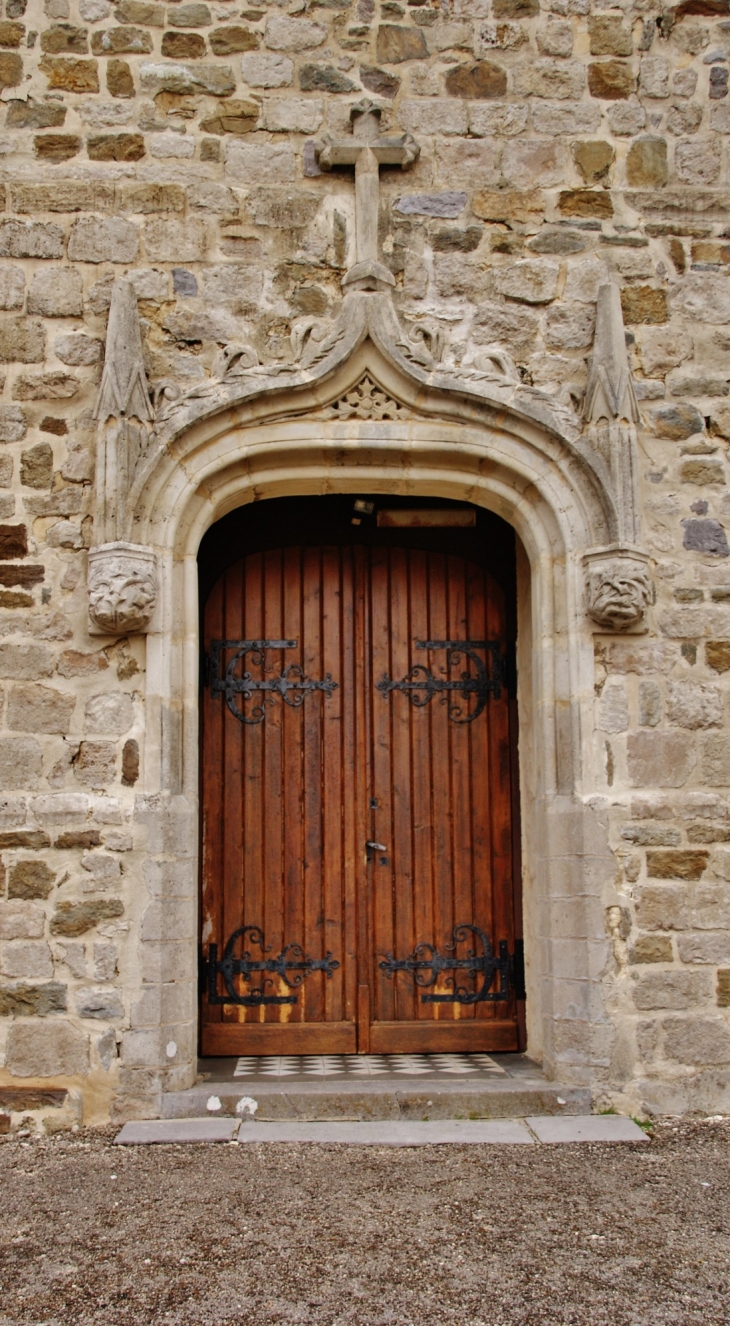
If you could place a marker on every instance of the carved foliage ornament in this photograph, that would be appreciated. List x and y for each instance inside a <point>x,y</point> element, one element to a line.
<point>122,587</point>
<point>366,401</point>
<point>618,588</point>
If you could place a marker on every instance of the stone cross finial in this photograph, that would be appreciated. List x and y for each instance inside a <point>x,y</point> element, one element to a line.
<point>367,150</point>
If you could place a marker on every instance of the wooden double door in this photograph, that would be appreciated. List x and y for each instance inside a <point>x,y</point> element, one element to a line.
<point>358,804</point>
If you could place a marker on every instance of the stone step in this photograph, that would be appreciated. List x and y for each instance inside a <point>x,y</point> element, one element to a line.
<point>528,1131</point>
<point>400,1098</point>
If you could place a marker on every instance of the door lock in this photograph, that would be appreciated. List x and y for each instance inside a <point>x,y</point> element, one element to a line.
<point>371,848</point>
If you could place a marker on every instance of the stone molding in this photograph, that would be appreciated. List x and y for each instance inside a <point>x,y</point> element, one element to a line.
<point>122,587</point>
<point>617,587</point>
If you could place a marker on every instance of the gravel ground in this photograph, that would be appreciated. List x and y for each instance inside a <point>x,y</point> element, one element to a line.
<point>479,1236</point>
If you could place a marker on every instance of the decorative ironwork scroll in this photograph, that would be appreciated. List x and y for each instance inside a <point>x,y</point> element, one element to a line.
<point>291,966</point>
<point>426,965</point>
<point>420,684</point>
<point>291,684</point>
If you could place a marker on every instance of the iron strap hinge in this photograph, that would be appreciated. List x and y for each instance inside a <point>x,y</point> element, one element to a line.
<point>421,685</point>
<point>426,965</point>
<point>291,966</point>
<point>291,684</point>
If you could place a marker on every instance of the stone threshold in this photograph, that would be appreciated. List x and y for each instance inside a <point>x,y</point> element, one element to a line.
<point>516,1090</point>
<point>530,1131</point>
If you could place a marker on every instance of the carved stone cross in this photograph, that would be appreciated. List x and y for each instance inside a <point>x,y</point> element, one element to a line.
<point>367,150</point>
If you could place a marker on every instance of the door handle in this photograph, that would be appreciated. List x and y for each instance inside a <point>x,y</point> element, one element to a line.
<point>371,848</point>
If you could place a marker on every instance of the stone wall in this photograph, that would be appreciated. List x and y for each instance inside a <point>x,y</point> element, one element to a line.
<point>175,144</point>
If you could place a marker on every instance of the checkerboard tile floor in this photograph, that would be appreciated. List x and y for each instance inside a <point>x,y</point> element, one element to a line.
<point>368,1065</point>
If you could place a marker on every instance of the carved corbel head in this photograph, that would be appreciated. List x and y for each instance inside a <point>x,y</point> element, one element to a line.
<point>618,588</point>
<point>122,587</point>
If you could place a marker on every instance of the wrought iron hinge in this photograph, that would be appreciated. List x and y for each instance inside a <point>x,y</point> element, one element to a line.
<point>291,684</point>
<point>426,965</point>
<point>291,965</point>
<point>420,684</point>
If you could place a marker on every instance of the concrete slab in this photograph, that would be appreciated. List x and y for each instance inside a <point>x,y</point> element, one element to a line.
<point>176,1130</point>
<point>586,1128</point>
<point>396,1133</point>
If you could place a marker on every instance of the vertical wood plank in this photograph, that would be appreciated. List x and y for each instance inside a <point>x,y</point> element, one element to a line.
<point>381,824</point>
<point>312,993</point>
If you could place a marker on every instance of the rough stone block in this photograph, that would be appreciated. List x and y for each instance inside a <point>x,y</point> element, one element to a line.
<point>679,864</point>
<point>531,281</point>
<point>95,764</point>
<point>66,74</point>
<point>672,989</point>
<point>56,292</point>
<point>504,121</point>
<point>102,1004</point>
<point>609,35</point>
<point>115,147</point>
<point>71,919</point>
<point>22,340</point>
<point>46,1049</point>
<point>20,762</point>
<point>26,960</point>
<point>555,80</point>
<point>694,704</point>
<point>30,879</point>
<point>292,115</point>
<point>654,76</point>
<point>175,240</point>
<point>394,44</point>
<point>34,115</point>
<point>259,163</point>
<point>267,70</point>
<point>183,46</point>
<point>434,116</point>
<point>187,80</point>
<point>696,1041</point>
<point>711,947</point>
<point>533,163</point>
<point>233,117</point>
<point>589,203</point>
<point>285,209</point>
<point>11,70</point>
<point>611,80</point>
<point>39,709</point>
<point>31,239</point>
<point>97,239</point>
<point>21,920</point>
<point>697,160</point>
<point>659,759</point>
<point>122,40</point>
<point>651,948</point>
<point>21,1000</point>
<point>644,304</point>
<point>703,297</point>
<point>646,163</point>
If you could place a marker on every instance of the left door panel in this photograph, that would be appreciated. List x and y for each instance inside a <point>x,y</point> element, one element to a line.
<point>279,780</point>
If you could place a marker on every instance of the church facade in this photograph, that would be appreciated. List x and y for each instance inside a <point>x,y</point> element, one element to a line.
<point>364,579</point>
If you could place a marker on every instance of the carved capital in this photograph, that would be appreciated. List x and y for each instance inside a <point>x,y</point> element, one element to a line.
<point>618,588</point>
<point>122,587</point>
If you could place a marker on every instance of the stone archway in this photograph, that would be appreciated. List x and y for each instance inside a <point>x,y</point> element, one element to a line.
<point>365,416</point>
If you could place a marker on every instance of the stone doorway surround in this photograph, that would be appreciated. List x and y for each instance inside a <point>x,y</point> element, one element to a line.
<point>368,407</point>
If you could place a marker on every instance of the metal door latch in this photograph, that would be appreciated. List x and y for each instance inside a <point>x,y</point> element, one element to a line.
<point>371,848</point>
